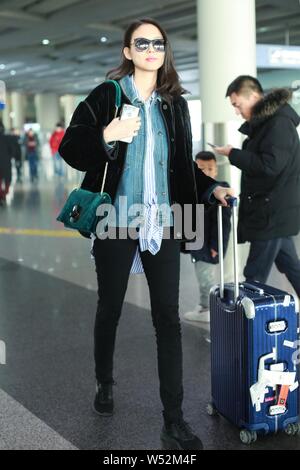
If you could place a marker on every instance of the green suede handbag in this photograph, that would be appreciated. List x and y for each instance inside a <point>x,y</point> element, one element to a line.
<point>79,211</point>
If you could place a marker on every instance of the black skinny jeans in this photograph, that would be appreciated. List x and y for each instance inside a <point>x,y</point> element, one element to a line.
<point>113,260</point>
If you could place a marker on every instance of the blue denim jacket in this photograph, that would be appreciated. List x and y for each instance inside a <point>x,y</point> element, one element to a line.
<point>131,183</point>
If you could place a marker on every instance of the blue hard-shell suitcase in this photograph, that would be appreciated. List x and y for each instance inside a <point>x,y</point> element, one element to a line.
<point>254,353</point>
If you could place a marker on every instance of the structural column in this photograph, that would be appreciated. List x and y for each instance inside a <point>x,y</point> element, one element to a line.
<point>17,111</point>
<point>47,111</point>
<point>227,48</point>
<point>69,105</point>
<point>6,113</point>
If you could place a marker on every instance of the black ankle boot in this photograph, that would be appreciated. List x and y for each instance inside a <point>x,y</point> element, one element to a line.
<point>179,436</point>
<point>104,403</point>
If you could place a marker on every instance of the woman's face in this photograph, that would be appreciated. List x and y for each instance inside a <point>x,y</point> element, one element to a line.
<point>149,60</point>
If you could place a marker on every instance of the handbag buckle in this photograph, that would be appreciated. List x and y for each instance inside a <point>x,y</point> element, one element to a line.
<point>75,214</point>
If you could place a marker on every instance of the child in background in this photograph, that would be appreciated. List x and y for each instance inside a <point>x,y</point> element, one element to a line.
<point>205,259</point>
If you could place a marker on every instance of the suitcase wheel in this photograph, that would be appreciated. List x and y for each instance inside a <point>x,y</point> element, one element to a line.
<point>211,410</point>
<point>248,437</point>
<point>292,429</point>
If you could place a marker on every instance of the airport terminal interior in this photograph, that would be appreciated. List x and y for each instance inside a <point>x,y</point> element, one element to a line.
<point>52,54</point>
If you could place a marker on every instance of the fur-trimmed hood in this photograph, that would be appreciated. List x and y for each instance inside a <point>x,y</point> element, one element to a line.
<point>275,102</point>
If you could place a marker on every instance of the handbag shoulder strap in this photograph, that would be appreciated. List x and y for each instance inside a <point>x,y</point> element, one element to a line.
<point>117,106</point>
<point>118,94</point>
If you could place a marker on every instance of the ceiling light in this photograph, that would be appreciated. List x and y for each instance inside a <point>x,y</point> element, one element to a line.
<point>263,29</point>
<point>45,42</point>
<point>2,66</point>
<point>103,39</point>
<point>13,72</point>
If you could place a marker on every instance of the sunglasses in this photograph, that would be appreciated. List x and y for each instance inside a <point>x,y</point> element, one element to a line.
<point>143,44</point>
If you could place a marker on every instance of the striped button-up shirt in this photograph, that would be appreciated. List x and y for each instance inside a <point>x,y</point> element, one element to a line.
<point>151,232</point>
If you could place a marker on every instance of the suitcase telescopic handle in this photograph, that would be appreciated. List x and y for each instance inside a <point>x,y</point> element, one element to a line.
<point>232,202</point>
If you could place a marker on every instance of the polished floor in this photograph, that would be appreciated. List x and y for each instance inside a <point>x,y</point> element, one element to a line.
<point>47,307</point>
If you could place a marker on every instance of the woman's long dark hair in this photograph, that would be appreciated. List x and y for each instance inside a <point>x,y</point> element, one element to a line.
<point>168,82</point>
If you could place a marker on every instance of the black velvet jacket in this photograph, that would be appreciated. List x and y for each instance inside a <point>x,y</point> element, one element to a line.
<point>83,148</point>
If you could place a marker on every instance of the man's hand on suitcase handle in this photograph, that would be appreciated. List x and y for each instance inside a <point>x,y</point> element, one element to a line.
<point>222,194</point>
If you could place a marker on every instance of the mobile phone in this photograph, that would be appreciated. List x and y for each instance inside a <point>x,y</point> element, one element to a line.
<point>128,111</point>
<point>213,145</point>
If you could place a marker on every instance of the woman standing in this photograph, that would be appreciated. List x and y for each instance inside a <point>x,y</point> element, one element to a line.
<point>155,168</point>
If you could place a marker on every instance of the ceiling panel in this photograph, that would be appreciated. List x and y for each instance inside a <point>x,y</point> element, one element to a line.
<point>77,59</point>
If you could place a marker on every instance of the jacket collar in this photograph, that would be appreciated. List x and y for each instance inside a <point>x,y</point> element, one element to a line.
<point>273,103</point>
<point>128,86</point>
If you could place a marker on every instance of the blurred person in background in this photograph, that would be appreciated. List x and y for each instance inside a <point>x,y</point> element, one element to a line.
<point>6,154</point>
<point>54,142</point>
<point>31,144</point>
<point>17,153</point>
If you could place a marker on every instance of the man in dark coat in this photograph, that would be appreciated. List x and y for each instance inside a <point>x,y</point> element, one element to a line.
<point>6,154</point>
<point>16,143</point>
<point>269,213</point>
